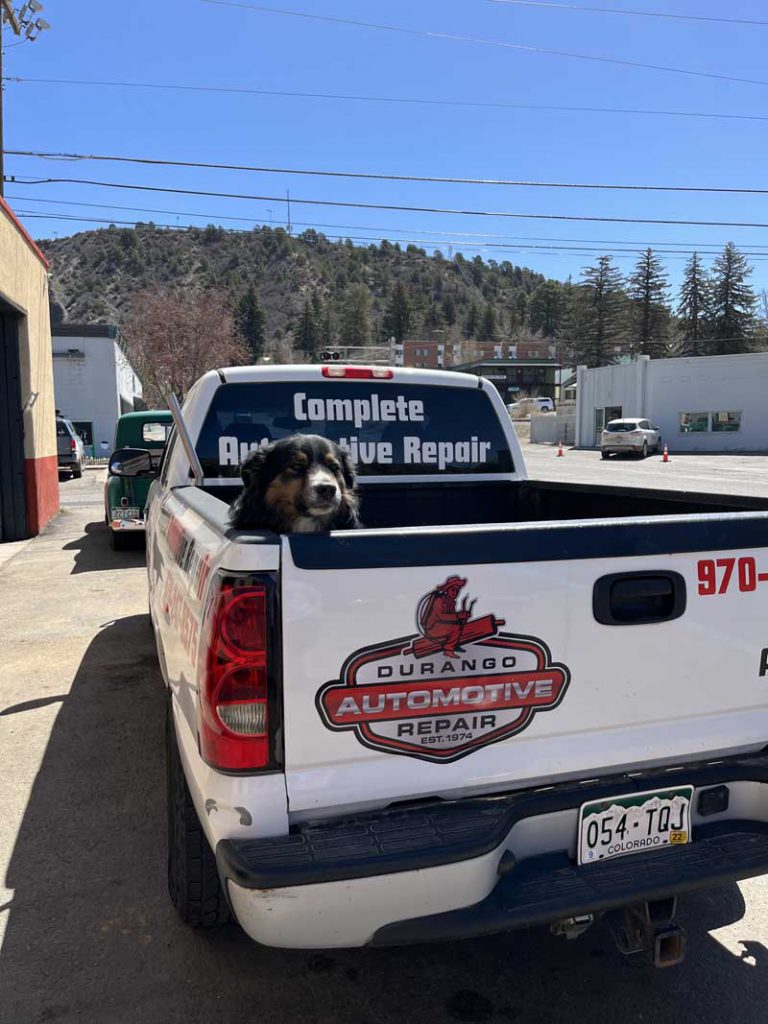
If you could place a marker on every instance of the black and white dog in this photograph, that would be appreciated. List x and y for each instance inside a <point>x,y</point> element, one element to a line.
<point>301,484</point>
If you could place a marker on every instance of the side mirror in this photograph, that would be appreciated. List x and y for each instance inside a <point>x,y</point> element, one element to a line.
<point>131,462</point>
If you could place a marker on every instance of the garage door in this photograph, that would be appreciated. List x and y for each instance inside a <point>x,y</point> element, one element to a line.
<point>13,513</point>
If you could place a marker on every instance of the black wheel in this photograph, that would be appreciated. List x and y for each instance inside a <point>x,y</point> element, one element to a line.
<point>77,471</point>
<point>659,446</point>
<point>644,452</point>
<point>193,881</point>
<point>605,455</point>
<point>118,541</point>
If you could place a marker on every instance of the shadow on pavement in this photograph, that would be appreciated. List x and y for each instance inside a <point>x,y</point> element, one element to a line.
<point>95,555</point>
<point>92,938</point>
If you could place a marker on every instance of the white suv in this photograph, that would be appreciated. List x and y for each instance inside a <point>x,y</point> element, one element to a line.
<point>630,435</point>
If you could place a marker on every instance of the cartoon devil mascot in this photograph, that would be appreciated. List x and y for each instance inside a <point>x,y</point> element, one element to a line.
<point>443,626</point>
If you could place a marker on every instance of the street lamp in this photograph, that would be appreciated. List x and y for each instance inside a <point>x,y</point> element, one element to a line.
<point>24,22</point>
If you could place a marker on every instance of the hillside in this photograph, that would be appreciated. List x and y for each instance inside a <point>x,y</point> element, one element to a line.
<point>96,273</point>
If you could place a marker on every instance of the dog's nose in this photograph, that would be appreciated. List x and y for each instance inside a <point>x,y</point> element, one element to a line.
<point>325,491</point>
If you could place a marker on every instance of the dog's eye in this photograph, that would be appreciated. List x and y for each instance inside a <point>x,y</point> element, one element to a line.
<point>297,468</point>
<point>334,467</point>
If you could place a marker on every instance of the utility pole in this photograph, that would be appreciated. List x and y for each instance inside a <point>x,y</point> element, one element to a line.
<point>24,22</point>
<point>288,198</point>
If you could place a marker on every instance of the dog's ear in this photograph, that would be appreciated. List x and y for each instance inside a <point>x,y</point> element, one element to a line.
<point>252,466</point>
<point>347,468</point>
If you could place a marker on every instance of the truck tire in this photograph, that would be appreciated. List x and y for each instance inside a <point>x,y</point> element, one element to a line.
<point>605,455</point>
<point>193,881</point>
<point>77,471</point>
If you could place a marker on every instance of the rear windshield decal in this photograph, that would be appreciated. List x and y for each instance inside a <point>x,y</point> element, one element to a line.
<point>458,684</point>
<point>418,429</point>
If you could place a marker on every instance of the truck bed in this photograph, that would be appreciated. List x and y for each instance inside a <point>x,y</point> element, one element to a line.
<point>391,506</point>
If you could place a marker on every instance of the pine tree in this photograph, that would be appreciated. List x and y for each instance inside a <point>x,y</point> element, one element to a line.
<point>307,332</point>
<point>545,309</point>
<point>448,308</point>
<point>397,319</point>
<point>249,317</point>
<point>521,309</point>
<point>355,326</point>
<point>487,330</point>
<point>733,303</point>
<point>472,321</point>
<point>693,308</point>
<point>649,316</point>
<point>595,315</point>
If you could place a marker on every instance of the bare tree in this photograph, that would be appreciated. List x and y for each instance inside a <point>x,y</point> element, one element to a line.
<point>171,338</point>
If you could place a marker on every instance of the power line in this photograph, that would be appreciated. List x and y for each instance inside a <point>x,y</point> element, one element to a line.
<point>378,176</point>
<point>563,251</point>
<point>451,37</point>
<point>633,13</point>
<point>392,206</point>
<point>456,238</point>
<point>420,101</point>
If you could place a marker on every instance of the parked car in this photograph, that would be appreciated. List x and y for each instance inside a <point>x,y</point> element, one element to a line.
<point>630,435</point>
<point>529,405</point>
<point>125,490</point>
<point>69,448</point>
<point>340,775</point>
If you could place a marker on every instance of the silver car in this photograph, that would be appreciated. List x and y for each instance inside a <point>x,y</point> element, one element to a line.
<point>630,435</point>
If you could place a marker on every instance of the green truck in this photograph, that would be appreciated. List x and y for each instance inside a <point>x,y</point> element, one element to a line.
<point>125,494</point>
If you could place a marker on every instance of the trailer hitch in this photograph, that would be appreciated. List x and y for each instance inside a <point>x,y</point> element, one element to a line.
<point>649,927</point>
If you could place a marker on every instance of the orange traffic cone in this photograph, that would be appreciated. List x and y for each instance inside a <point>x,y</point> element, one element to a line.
<point>560,452</point>
<point>665,457</point>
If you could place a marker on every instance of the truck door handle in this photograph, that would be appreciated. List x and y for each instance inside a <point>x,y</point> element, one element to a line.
<point>638,598</point>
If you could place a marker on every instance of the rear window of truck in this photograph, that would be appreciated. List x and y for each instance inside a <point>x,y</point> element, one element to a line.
<point>388,429</point>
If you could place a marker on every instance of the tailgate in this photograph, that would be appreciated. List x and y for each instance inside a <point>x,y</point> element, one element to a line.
<point>426,663</point>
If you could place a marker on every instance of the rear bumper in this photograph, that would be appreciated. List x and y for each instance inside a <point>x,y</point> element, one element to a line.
<point>617,449</point>
<point>475,867</point>
<point>124,525</point>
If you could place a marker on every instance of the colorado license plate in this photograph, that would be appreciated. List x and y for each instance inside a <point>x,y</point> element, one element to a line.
<point>125,513</point>
<point>634,823</point>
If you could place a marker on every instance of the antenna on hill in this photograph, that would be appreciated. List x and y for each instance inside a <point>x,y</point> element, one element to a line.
<point>288,200</point>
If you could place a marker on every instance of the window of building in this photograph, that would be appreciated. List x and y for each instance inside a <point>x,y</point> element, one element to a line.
<point>726,421</point>
<point>706,422</point>
<point>694,422</point>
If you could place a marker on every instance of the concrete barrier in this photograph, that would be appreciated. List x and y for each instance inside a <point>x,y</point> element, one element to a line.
<point>549,429</point>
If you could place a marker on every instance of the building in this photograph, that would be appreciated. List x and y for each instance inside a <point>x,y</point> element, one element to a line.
<point>29,481</point>
<point>515,378</point>
<point>708,403</point>
<point>437,354</point>
<point>94,382</point>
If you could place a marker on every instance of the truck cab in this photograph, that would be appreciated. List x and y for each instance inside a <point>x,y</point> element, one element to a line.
<point>125,496</point>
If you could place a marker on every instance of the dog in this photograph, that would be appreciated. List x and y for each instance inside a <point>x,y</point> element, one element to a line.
<point>300,484</point>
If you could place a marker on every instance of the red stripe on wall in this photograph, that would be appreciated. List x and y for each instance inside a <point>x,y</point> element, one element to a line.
<point>41,480</point>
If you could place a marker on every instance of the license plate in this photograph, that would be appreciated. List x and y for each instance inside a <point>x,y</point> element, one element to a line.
<point>126,513</point>
<point>634,823</point>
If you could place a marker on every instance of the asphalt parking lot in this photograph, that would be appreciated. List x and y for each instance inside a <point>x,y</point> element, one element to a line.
<point>88,935</point>
<point>715,474</point>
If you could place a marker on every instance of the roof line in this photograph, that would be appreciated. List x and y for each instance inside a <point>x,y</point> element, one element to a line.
<point>24,233</point>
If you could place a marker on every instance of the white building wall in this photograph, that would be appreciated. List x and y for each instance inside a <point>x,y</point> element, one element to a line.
<point>88,387</point>
<point>663,389</point>
<point>621,385</point>
<point>711,384</point>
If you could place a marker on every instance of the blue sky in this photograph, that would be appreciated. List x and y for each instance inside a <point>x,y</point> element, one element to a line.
<point>190,42</point>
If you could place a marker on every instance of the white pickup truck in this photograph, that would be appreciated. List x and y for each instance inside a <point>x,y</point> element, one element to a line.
<point>500,703</point>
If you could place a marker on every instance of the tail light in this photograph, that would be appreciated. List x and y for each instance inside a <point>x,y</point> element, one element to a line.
<point>73,444</point>
<point>234,733</point>
<point>358,372</point>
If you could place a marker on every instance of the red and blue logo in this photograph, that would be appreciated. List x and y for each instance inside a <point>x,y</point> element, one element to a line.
<point>458,684</point>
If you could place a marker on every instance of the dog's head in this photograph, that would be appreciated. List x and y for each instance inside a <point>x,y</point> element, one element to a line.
<point>301,484</point>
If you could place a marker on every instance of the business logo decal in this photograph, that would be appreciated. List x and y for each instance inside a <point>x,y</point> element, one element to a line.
<point>459,684</point>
